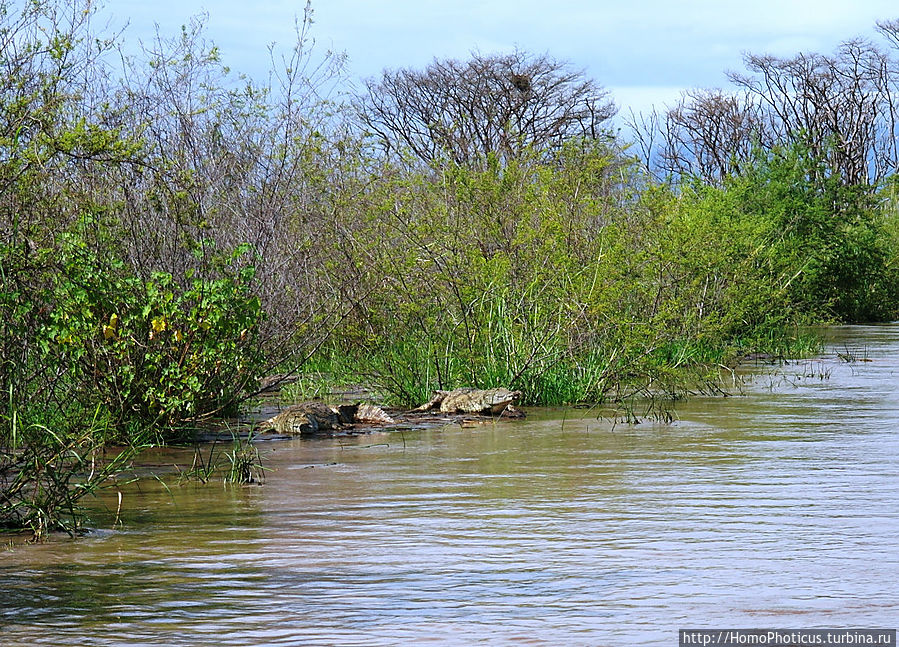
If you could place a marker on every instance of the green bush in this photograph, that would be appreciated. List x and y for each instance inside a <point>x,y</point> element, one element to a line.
<point>571,279</point>
<point>576,279</point>
<point>831,242</point>
<point>157,351</point>
<point>151,352</point>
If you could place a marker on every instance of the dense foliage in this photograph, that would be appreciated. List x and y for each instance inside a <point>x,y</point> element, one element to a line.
<point>578,280</point>
<point>167,239</point>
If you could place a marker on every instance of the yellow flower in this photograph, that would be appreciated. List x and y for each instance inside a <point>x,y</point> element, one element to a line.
<point>109,330</point>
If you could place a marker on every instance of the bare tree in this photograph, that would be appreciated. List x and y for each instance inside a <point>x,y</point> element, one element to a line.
<point>711,133</point>
<point>708,134</point>
<point>497,104</point>
<point>841,105</point>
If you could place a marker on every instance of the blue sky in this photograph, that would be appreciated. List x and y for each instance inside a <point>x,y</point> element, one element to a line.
<point>643,51</point>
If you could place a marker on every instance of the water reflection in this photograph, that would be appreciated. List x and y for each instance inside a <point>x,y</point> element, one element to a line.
<point>776,508</point>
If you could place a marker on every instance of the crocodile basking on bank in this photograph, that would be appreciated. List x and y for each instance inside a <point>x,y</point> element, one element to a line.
<point>316,417</point>
<point>494,402</point>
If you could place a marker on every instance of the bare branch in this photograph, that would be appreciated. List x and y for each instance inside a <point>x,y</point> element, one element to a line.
<point>499,105</point>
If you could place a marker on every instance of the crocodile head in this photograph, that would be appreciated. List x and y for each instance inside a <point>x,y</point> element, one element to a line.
<point>498,399</point>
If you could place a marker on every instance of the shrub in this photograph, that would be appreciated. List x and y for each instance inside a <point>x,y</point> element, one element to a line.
<point>157,351</point>
<point>831,239</point>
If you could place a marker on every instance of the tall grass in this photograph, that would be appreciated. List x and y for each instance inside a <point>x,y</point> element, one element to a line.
<point>45,474</point>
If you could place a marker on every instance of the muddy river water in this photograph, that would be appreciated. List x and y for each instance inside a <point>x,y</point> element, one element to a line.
<point>775,508</point>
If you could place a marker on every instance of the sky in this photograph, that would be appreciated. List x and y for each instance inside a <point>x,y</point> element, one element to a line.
<point>645,52</point>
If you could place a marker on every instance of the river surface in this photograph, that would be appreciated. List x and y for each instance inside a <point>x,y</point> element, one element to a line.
<point>778,508</point>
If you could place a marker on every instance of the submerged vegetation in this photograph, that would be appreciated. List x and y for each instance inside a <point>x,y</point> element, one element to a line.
<point>171,234</point>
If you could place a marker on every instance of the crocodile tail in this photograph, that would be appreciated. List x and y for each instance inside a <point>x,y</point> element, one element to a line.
<point>433,402</point>
<point>372,413</point>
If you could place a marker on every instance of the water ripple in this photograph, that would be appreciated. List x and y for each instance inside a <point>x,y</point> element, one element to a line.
<point>776,508</point>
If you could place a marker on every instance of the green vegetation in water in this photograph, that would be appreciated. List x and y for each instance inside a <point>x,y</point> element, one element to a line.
<point>45,474</point>
<point>152,267</point>
<point>239,465</point>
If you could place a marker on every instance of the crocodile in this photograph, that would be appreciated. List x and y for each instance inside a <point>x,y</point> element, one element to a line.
<point>495,402</point>
<point>315,417</point>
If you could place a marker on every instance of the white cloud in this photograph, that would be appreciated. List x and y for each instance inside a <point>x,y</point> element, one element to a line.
<point>644,98</point>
